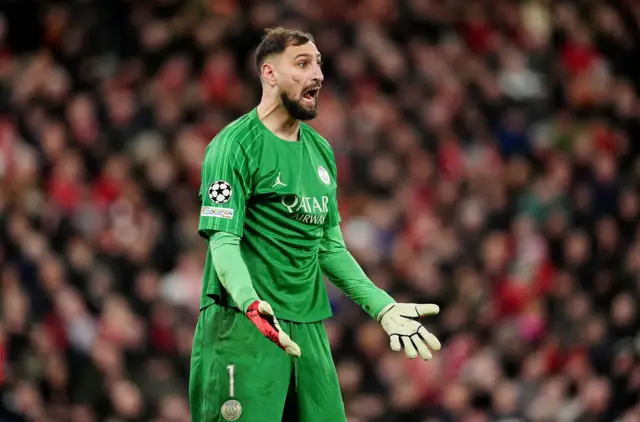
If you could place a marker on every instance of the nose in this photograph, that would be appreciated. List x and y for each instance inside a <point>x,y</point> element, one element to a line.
<point>318,76</point>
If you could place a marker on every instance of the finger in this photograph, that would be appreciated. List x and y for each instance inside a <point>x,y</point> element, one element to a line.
<point>426,309</point>
<point>289,345</point>
<point>395,343</point>
<point>431,340</point>
<point>409,349</point>
<point>274,321</point>
<point>423,350</point>
<point>264,308</point>
<point>268,316</point>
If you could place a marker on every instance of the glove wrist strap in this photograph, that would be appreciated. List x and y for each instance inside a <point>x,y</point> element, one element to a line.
<point>384,311</point>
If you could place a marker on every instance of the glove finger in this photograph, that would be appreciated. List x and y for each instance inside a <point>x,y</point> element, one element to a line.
<point>395,343</point>
<point>426,309</point>
<point>267,314</point>
<point>409,349</point>
<point>423,350</point>
<point>285,341</point>
<point>289,345</point>
<point>264,308</point>
<point>431,340</point>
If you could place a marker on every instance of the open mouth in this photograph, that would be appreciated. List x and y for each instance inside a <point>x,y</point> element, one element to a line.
<point>310,95</point>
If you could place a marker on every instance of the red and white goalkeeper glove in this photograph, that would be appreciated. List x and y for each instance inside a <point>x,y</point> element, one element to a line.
<point>401,322</point>
<point>261,314</point>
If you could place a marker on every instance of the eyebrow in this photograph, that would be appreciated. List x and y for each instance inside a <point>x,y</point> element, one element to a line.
<point>307,55</point>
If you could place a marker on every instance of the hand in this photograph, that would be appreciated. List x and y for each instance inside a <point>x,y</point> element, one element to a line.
<point>400,321</point>
<point>261,314</point>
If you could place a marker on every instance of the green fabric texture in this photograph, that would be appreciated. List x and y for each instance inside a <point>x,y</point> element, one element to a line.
<point>279,197</point>
<point>343,270</point>
<point>270,385</point>
<point>231,269</point>
<point>335,260</point>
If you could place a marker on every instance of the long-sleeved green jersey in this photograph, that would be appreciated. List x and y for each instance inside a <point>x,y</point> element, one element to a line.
<point>279,199</point>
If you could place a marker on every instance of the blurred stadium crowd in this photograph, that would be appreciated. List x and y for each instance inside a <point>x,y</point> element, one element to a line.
<point>488,158</point>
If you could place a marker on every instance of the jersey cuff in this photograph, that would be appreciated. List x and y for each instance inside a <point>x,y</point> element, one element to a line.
<point>207,233</point>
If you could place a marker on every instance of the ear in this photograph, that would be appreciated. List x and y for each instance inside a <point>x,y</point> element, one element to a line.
<point>268,74</point>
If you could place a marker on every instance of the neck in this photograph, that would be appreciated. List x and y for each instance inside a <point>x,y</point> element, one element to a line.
<point>278,120</point>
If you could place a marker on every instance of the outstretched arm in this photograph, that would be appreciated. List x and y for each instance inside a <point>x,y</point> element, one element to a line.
<point>399,320</point>
<point>344,272</point>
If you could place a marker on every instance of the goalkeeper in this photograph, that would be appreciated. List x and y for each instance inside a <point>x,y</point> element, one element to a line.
<point>270,217</point>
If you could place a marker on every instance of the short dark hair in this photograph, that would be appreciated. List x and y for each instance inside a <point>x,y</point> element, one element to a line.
<point>276,40</point>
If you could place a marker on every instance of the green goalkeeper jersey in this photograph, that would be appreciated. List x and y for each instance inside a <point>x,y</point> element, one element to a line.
<point>279,197</point>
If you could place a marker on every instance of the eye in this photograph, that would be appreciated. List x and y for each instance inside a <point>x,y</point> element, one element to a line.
<point>320,64</point>
<point>303,64</point>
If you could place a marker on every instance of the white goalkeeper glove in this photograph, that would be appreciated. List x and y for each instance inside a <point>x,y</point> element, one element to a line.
<point>401,322</point>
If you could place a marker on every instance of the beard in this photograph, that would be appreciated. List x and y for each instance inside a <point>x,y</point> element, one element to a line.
<point>296,110</point>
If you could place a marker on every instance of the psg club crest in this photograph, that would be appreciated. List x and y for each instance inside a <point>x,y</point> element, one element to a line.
<point>324,175</point>
<point>231,410</point>
<point>220,192</point>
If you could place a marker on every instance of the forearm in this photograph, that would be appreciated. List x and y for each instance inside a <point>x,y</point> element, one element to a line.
<point>231,269</point>
<point>344,272</point>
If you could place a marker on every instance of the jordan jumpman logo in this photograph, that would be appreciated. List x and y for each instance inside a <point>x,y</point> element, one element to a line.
<point>278,182</point>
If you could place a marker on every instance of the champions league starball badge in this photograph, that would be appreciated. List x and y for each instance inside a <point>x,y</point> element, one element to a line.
<point>220,192</point>
<point>231,410</point>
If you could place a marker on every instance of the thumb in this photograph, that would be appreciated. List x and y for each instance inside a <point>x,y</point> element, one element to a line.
<point>426,309</point>
<point>264,308</point>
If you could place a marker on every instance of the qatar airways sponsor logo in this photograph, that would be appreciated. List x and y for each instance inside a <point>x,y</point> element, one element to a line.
<point>310,210</point>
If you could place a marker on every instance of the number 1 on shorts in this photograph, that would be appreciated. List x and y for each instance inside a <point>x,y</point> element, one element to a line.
<point>231,409</point>
<point>231,369</point>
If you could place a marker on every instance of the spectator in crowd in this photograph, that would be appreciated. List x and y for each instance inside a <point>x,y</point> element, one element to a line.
<point>488,159</point>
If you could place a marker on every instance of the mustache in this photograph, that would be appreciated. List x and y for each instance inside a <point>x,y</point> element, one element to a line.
<point>317,86</point>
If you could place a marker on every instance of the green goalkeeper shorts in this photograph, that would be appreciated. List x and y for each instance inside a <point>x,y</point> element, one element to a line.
<point>239,375</point>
